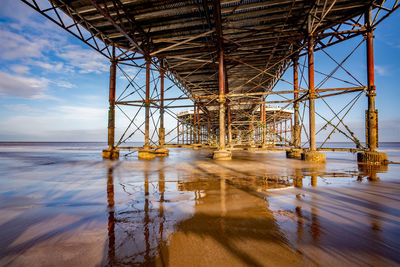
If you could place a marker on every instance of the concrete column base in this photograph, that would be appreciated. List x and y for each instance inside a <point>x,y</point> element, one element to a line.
<point>372,157</point>
<point>313,156</point>
<point>146,154</point>
<point>252,148</point>
<point>161,152</point>
<point>110,154</point>
<point>196,146</point>
<point>264,146</point>
<point>222,155</point>
<point>294,153</point>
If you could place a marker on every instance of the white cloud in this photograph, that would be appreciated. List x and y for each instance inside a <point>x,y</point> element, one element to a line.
<point>16,10</point>
<point>57,123</point>
<point>64,84</point>
<point>21,86</point>
<point>20,108</point>
<point>56,67</point>
<point>380,70</point>
<point>131,72</point>
<point>20,69</point>
<point>15,46</point>
<point>87,61</point>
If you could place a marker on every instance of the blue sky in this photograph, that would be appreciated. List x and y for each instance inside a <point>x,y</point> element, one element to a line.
<point>55,88</point>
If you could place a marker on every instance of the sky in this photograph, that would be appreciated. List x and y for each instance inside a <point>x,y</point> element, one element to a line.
<point>53,87</point>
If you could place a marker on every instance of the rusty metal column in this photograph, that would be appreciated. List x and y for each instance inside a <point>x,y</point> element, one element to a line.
<point>146,152</point>
<point>111,152</point>
<point>161,133</point>
<point>177,131</point>
<point>285,131</point>
<point>221,76</point>
<point>229,125</point>
<point>161,151</point>
<point>190,138</point>
<point>195,133</point>
<point>297,127</point>
<point>312,155</point>
<point>251,130</point>
<point>111,111</point>
<point>221,153</point>
<point>311,92</point>
<point>264,119</point>
<point>147,106</point>
<point>371,113</point>
<point>274,130</point>
<point>198,132</point>
<point>208,129</point>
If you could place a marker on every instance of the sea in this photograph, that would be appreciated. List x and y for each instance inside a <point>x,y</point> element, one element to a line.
<point>61,204</point>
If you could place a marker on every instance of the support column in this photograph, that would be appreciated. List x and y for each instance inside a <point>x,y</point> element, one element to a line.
<point>229,126</point>
<point>285,131</point>
<point>221,153</point>
<point>146,152</point>
<point>191,124</point>
<point>147,107</point>
<point>177,131</point>
<point>297,127</point>
<point>274,130</point>
<point>311,92</point>
<point>371,156</point>
<point>251,134</point>
<point>209,130</point>
<point>264,127</point>
<point>311,154</point>
<point>196,127</point>
<point>161,151</point>
<point>296,130</point>
<point>195,132</point>
<point>111,152</point>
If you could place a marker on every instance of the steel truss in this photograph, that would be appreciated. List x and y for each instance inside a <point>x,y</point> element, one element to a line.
<point>239,112</point>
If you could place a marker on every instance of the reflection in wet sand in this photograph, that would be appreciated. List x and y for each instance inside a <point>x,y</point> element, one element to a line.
<point>233,220</point>
<point>189,210</point>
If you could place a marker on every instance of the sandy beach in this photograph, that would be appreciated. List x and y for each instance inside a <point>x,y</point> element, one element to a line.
<point>66,207</point>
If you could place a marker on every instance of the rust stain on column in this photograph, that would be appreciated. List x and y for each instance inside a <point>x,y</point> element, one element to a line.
<point>229,125</point>
<point>147,105</point>
<point>111,111</point>
<point>161,133</point>
<point>221,101</point>
<point>297,127</point>
<point>311,91</point>
<point>371,112</point>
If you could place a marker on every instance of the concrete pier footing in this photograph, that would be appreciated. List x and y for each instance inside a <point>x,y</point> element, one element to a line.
<point>196,146</point>
<point>372,158</point>
<point>252,148</point>
<point>146,153</point>
<point>222,155</point>
<point>161,152</point>
<point>294,153</point>
<point>110,154</point>
<point>313,156</point>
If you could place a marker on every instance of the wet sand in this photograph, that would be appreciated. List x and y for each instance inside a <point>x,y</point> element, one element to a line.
<point>70,208</point>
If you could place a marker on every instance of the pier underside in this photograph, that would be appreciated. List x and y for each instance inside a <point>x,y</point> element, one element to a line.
<point>213,68</point>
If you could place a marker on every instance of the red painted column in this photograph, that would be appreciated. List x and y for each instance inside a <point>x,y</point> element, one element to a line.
<point>111,111</point>
<point>297,127</point>
<point>311,92</point>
